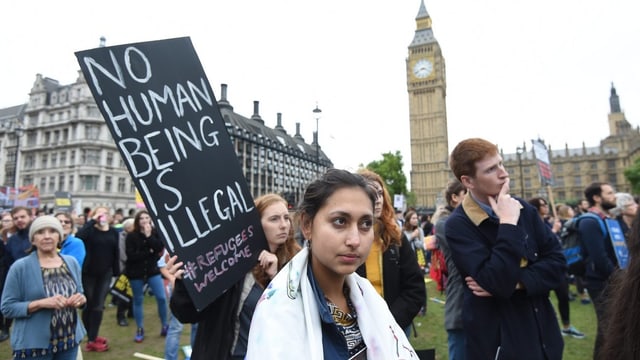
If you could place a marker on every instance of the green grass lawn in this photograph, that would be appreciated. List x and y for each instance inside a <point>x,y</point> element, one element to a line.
<point>121,344</point>
<point>430,332</point>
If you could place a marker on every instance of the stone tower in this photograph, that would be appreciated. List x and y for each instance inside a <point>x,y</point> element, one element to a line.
<point>427,87</point>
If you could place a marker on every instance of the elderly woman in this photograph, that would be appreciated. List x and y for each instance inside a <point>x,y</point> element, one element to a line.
<point>42,292</point>
<point>625,211</point>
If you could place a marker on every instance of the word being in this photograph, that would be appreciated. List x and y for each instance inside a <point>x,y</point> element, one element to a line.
<point>217,261</point>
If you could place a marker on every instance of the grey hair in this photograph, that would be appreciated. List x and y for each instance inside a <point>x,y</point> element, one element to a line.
<point>622,200</point>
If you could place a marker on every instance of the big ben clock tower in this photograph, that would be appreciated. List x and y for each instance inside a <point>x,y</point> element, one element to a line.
<point>427,87</point>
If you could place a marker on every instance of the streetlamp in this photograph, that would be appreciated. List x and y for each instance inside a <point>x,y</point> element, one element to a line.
<point>519,152</point>
<point>316,113</point>
<point>18,131</point>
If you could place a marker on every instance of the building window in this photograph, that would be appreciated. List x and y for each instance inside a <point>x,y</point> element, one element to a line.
<point>577,180</point>
<point>90,157</point>
<point>613,179</point>
<point>110,158</point>
<point>31,139</point>
<point>29,161</point>
<point>593,165</point>
<point>92,132</point>
<point>560,180</point>
<point>107,184</point>
<point>44,160</point>
<point>63,158</point>
<point>576,167</point>
<point>71,184</point>
<point>89,182</point>
<point>93,111</point>
<point>561,195</point>
<point>61,181</point>
<point>559,168</point>
<point>65,136</point>
<point>121,187</point>
<point>47,137</point>
<point>54,159</point>
<point>43,183</point>
<point>594,177</point>
<point>611,164</point>
<point>52,183</point>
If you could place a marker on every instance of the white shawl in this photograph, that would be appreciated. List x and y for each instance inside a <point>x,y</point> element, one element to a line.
<point>286,322</point>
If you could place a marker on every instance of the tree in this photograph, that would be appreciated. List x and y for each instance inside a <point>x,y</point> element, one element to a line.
<point>390,169</point>
<point>633,175</point>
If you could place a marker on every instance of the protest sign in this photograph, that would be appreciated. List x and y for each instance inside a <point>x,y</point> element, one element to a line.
<point>542,160</point>
<point>62,201</point>
<point>165,121</point>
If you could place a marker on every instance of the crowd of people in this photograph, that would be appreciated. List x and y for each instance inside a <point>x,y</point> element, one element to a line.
<point>341,278</point>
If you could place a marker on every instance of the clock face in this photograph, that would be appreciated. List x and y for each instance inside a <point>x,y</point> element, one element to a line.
<point>422,68</point>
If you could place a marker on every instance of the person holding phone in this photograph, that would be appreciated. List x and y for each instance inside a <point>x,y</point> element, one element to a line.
<point>100,264</point>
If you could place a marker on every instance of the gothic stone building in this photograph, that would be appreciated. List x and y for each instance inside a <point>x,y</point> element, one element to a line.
<point>574,169</point>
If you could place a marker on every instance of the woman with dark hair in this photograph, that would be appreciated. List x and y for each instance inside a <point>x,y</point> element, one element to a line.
<point>144,248</point>
<point>621,328</point>
<point>391,266</point>
<point>100,264</point>
<point>317,307</point>
<point>223,326</point>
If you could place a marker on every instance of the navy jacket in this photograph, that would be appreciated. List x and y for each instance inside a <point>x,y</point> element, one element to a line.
<point>601,260</point>
<point>512,323</point>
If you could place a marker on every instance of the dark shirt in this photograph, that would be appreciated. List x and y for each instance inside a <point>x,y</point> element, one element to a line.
<point>17,246</point>
<point>142,255</point>
<point>246,313</point>
<point>102,250</point>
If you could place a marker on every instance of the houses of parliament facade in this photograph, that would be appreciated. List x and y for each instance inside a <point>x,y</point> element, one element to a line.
<point>573,169</point>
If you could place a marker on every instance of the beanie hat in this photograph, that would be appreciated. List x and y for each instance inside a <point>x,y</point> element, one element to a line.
<point>46,221</point>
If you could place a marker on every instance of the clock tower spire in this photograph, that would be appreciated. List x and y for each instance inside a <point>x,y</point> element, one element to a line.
<point>426,85</point>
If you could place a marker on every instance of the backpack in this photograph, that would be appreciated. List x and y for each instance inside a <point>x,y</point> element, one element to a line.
<point>572,245</point>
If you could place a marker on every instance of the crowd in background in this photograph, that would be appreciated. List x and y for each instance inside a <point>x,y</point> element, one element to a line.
<point>398,251</point>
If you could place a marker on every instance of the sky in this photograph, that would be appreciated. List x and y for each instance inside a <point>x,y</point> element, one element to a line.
<point>515,70</point>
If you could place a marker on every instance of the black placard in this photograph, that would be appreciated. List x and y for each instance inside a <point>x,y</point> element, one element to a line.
<point>165,121</point>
